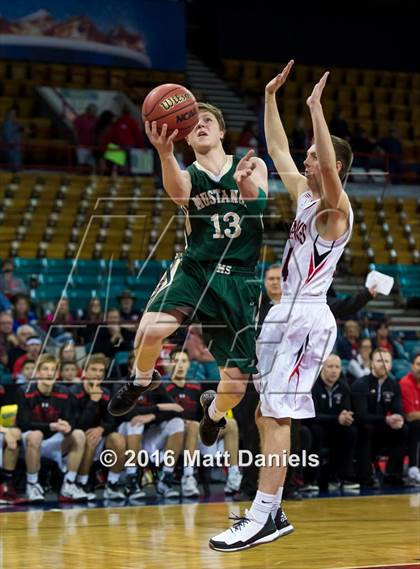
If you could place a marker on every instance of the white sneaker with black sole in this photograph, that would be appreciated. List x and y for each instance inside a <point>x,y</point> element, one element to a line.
<point>246,532</point>
<point>164,486</point>
<point>72,492</point>
<point>34,492</point>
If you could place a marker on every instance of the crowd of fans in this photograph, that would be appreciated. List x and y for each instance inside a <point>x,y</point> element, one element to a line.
<point>59,370</point>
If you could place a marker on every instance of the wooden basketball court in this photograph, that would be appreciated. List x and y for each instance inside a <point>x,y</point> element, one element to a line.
<point>372,531</point>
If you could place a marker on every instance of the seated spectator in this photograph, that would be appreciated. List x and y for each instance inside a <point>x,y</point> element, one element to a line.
<point>99,427</point>
<point>33,349</point>
<point>84,131</point>
<point>4,303</point>
<point>9,453</point>
<point>362,144</point>
<point>339,126</point>
<point>57,322</point>
<point>22,311</point>
<point>9,284</point>
<point>126,305</point>
<point>155,424</point>
<point>113,337</point>
<point>22,334</point>
<point>249,136</point>
<point>382,339</point>
<point>68,353</point>
<point>348,345</point>
<point>69,372</point>
<point>26,374</point>
<point>360,365</point>
<point>203,366</point>
<point>8,338</point>
<point>410,393</point>
<point>92,316</point>
<point>188,396</point>
<point>47,421</point>
<point>376,401</point>
<point>391,144</point>
<point>332,427</point>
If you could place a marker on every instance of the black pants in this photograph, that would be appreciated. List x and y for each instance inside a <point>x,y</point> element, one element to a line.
<point>336,442</point>
<point>414,442</point>
<point>249,438</point>
<point>377,439</point>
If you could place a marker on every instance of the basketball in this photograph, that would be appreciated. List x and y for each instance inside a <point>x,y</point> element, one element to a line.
<point>174,105</point>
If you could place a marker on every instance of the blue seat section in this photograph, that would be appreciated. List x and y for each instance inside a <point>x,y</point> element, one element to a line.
<point>80,280</point>
<point>408,277</point>
<point>400,368</point>
<point>412,347</point>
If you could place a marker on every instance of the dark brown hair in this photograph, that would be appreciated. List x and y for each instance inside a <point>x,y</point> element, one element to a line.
<point>343,154</point>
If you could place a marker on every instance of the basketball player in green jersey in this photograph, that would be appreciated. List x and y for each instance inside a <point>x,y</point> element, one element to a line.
<point>214,281</point>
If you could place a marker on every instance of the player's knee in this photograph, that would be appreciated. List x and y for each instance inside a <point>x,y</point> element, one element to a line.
<point>175,425</point>
<point>116,441</point>
<point>192,427</point>
<point>34,439</point>
<point>78,437</point>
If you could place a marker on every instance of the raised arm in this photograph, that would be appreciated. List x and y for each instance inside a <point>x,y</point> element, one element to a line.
<point>177,183</point>
<point>251,176</point>
<point>334,196</point>
<point>277,142</point>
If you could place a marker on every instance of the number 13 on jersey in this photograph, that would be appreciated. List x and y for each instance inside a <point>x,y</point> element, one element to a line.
<point>233,229</point>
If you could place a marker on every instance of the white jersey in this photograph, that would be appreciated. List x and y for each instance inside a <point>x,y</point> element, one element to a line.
<point>309,262</point>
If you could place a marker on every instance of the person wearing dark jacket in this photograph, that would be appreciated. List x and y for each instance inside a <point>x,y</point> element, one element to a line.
<point>332,428</point>
<point>156,426</point>
<point>113,337</point>
<point>378,413</point>
<point>48,420</point>
<point>100,429</point>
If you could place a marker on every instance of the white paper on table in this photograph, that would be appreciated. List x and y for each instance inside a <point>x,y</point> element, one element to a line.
<point>382,282</point>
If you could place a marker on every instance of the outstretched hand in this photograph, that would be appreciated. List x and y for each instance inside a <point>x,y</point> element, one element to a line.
<point>315,97</point>
<point>279,80</point>
<point>164,144</point>
<point>244,168</point>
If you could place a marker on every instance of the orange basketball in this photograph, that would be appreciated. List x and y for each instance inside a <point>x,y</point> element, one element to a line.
<point>174,105</point>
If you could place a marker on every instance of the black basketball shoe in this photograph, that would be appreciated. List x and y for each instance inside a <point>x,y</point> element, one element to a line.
<point>209,429</point>
<point>282,523</point>
<point>125,398</point>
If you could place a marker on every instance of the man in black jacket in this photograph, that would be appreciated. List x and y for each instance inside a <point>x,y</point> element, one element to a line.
<point>99,426</point>
<point>47,419</point>
<point>333,428</point>
<point>378,412</point>
<point>113,337</point>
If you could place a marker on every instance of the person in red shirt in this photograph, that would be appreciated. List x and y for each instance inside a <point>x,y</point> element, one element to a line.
<point>126,134</point>
<point>84,131</point>
<point>33,349</point>
<point>382,339</point>
<point>410,393</point>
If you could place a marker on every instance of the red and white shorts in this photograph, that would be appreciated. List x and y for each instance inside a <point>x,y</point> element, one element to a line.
<point>295,340</point>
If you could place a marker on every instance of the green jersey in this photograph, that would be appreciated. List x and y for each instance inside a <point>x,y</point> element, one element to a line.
<point>221,227</point>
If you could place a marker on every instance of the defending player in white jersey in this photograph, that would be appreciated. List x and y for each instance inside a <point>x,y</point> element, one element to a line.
<point>299,333</point>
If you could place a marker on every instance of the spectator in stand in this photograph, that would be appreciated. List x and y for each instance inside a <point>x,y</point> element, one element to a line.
<point>84,130</point>
<point>203,366</point>
<point>126,305</point>
<point>46,418</point>
<point>11,137</point>
<point>410,392</point>
<point>299,141</point>
<point>9,453</point>
<point>249,136</point>
<point>382,339</point>
<point>92,316</point>
<point>69,373</point>
<point>333,428</point>
<point>57,322</point>
<point>22,334</point>
<point>33,347</point>
<point>26,374</point>
<point>4,303</point>
<point>348,345</point>
<point>126,133</point>
<point>391,144</point>
<point>100,428</point>
<point>339,126</point>
<point>376,401</point>
<point>113,337</point>
<point>68,354</point>
<point>360,365</point>
<point>22,311</point>
<point>103,136</point>
<point>363,144</point>
<point>8,338</point>
<point>9,284</point>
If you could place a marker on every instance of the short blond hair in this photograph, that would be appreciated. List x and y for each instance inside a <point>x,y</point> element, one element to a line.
<point>97,359</point>
<point>215,111</point>
<point>47,359</point>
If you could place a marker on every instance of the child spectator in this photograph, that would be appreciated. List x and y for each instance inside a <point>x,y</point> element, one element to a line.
<point>360,365</point>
